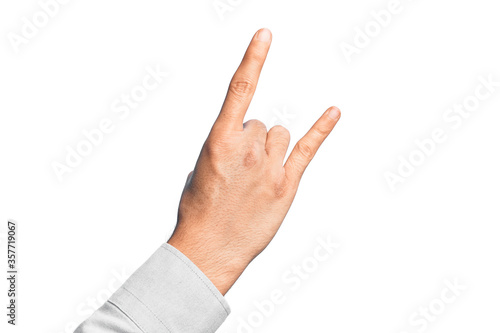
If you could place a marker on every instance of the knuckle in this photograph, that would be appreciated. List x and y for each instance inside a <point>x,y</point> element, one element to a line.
<point>250,157</point>
<point>210,143</point>
<point>321,131</point>
<point>213,146</point>
<point>281,131</point>
<point>282,135</point>
<point>256,56</point>
<point>214,157</point>
<point>305,149</point>
<point>280,188</point>
<point>241,87</point>
<point>255,123</point>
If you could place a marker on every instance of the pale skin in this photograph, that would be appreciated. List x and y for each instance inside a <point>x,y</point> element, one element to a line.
<point>241,188</point>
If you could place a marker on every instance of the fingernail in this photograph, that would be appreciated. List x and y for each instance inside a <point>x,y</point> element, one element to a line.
<point>264,35</point>
<point>334,113</point>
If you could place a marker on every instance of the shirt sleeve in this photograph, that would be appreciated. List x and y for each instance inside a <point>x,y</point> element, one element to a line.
<point>167,294</point>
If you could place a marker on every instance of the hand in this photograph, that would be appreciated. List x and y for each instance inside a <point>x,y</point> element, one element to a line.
<point>239,192</point>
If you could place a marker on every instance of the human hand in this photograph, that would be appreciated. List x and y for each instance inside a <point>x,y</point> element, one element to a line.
<point>239,193</point>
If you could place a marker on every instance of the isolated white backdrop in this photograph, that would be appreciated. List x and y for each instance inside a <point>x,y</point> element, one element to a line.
<point>80,236</point>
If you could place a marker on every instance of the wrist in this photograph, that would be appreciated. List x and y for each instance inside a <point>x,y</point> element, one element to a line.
<point>221,267</point>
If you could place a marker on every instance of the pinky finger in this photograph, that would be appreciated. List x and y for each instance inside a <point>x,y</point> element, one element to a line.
<point>306,148</point>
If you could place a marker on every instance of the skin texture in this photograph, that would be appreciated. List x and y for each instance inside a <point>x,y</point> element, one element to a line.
<point>241,189</point>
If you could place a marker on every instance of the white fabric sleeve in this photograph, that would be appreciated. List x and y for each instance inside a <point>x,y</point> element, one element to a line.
<point>167,294</point>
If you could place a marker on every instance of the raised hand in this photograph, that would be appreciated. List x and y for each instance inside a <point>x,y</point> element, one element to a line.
<point>241,189</point>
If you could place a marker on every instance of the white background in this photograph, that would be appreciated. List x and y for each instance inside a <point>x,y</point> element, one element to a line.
<point>108,215</point>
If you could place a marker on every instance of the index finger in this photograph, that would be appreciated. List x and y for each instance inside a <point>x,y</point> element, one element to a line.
<point>244,82</point>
